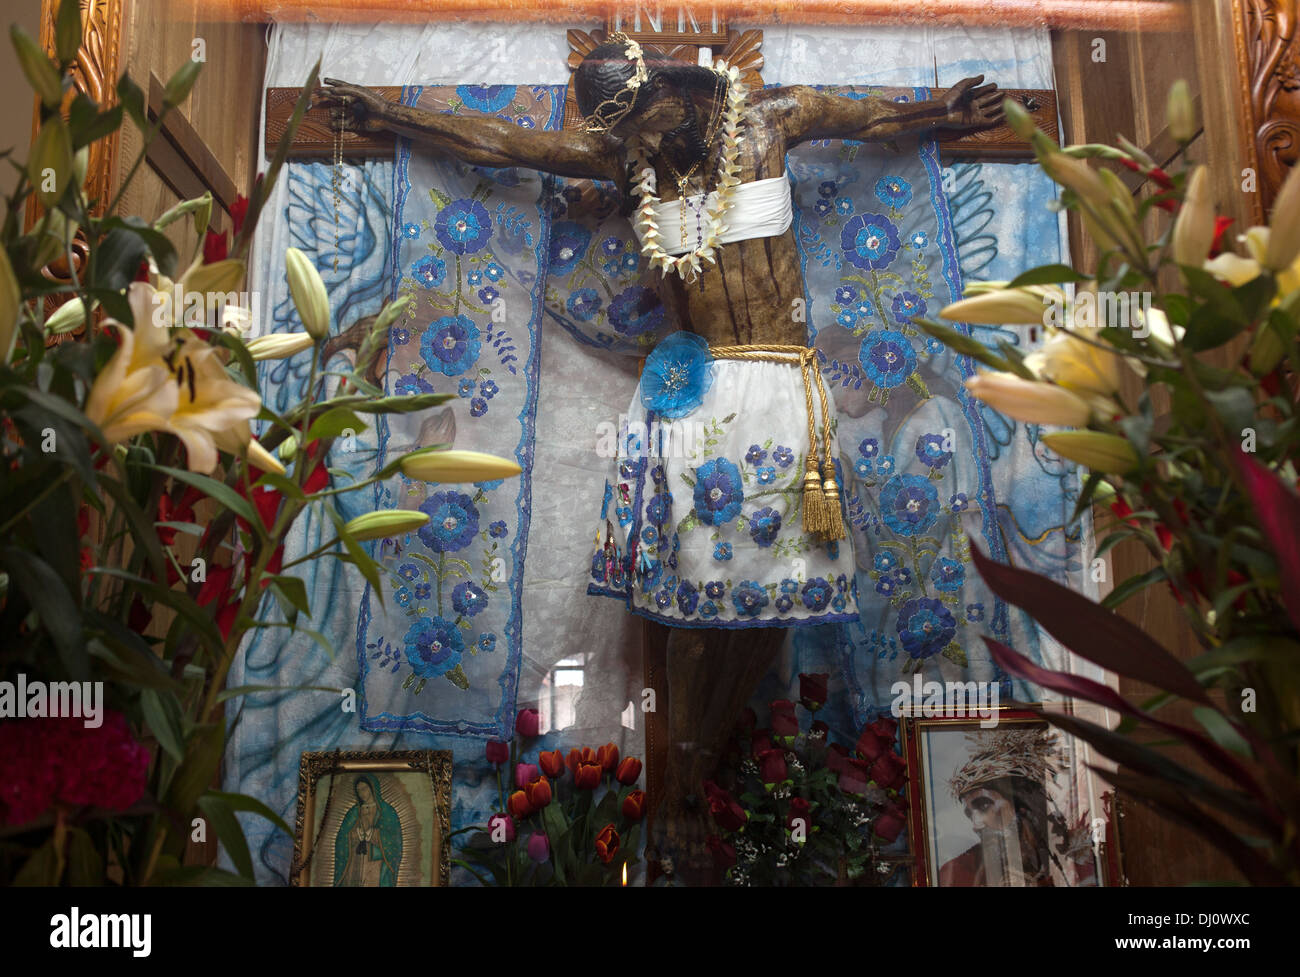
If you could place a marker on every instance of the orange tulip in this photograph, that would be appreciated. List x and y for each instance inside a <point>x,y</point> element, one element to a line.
<point>587,776</point>
<point>628,771</point>
<point>538,793</point>
<point>607,844</point>
<point>518,805</point>
<point>576,757</point>
<point>552,763</point>
<point>634,805</point>
<point>607,757</point>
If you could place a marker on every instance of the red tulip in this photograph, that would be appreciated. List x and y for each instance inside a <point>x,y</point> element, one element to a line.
<point>539,793</point>
<point>587,776</point>
<point>855,777</point>
<point>629,771</point>
<point>771,767</point>
<point>528,722</point>
<point>634,805</point>
<point>525,774</point>
<point>539,847</point>
<point>518,805</point>
<point>607,844</point>
<point>505,821</point>
<point>888,771</point>
<point>552,763</point>
<point>724,854</point>
<point>812,690</point>
<point>800,809</point>
<point>576,757</point>
<point>607,757</point>
<point>728,814</point>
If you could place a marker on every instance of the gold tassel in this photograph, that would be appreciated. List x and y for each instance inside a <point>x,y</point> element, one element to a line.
<point>814,502</point>
<point>832,518</point>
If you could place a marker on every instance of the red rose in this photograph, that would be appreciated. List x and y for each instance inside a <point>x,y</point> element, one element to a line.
<point>518,805</point>
<point>724,854</point>
<point>710,788</point>
<point>505,821</point>
<point>634,805</point>
<point>528,722</point>
<point>888,771</point>
<point>799,809</point>
<point>576,757</point>
<point>587,776</point>
<point>728,814</point>
<point>885,727</point>
<point>607,757</point>
<point>760,741</point>
<point>525,773</point>
<point>869,745</point>
<point>855,776</point>
<point>812,690</point>
<point>629,771</point>
<point>771,767</point>
<point>837,755</point>
<point>890,822</point>
<point>784,722</point>
<point>552,763</point>
<point>539,793</point>
<point>607,844</point>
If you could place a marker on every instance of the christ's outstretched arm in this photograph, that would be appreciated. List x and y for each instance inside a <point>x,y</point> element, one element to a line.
<point>479,140</point>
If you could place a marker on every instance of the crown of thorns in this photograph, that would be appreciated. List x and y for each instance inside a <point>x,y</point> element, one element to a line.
<point>611,111</point>
<point>1028,753</point>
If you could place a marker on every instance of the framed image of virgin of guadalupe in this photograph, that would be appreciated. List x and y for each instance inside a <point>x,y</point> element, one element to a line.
<point>373,819</point>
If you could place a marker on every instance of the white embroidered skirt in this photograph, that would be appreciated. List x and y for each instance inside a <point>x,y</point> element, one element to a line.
<point>701,523</point>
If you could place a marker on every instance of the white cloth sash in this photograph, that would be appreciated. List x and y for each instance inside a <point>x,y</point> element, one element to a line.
<point>761,208</point>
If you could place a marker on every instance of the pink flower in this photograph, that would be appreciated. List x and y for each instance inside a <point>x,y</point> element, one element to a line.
<point>528,722</point>
<point>525,774</point>
<point>539,847</point>
<point>498,821</point>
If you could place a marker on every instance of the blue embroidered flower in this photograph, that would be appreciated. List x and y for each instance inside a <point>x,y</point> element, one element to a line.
<point>722,552</point>
<point>749,598</point>
<point>886,465</point>
<point>583,304</point>
<point>715,589</point>
<point>870,241</point>
<point>624,514</point>
<point>465,387</point>
<point>475,278</point>
<point>766,475</point>
<point>486,98</point>
<point>400,336</point>
<point>659,509</point>
<point>423,591</point>
<point>975,612</point>
<point>764,525</point>
<point>909,504</point>
<point>636,310</point>
<point>784,603</point>
<point>663,598</point>
<point>650,536</point>
<point>429,271</point>
<point>598,565</point>
<point>612,245</point>
<point>524,122</point>
<point>841,583</point>
<point>477,407</point>
<point>893,191</point>
<point>886,586</point>
<point>411,231</point>
<point>920,240</point>
<point>933,346</point>
<point>687,597</point>
<point>816,594</point>
<point>839,603</point>
<point>827,188</point>
<point>844,206</point>
<point>907,305</point>
<point>569,241</point>
<point>903,575</point>
<point>403,596</point>
<point>490,484</point>
<point>869,448</point>
<point>885,560</point>
<point>783,456</point>
<point>755,455</point>
<point>846,294</point>
<point>493,271</point>
<point>657,474</point>
<point>925,626</point>
<point>678,373</point>
<point>488,389</point>
<point>847,319</point>
<point>463,226</point>
<point>631,261</point>
<point>487,295</point>
<point>453,522</point>
<point>959,502</point>
<point>468,598</point>
<point>450,345</point>
<point>930,450</point>
<point>789,586</point>
<point>708,610</point>
<point>833,549</point>
<point>719,492</point>
<point>408,571</point>
<point>862,467</point>
<point>433,647</point>
<point>865,310</point>
<point>487,641</point>
<point>497,529</point>
<point>822,207</point>
<point>947,574</point>
<point>887,357</point>
<point>650,575</point>
<point>409,383</point>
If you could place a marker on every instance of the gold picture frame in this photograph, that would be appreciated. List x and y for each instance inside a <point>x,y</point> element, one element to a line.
<point>393,808</point>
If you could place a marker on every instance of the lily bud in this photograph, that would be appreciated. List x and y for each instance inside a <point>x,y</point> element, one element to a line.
<point>1030,401</point>
<point>1020,121</point>
<point>1284,225</point>
<point>289,447</point>
<point>80,160</point>
<point>308,292</point>
<point>1194,229</point>
<point>384,523</point>
<point>1180,114</point>
<point>41,72</point>
<point>10,303</point>
<point>279,346</point>
<point>1095,450</point>
<point>67,317</point>
<point>1076,365</point>
<point>53,243</point>
<point>220,276</point>
<point>262,459</point>
<point>49,168</point>
<point>457,466</point>
<point>1078,176</point>
<point>1005,307</point>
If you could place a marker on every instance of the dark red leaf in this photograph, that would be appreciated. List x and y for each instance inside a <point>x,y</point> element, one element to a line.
<point>1278,510</point>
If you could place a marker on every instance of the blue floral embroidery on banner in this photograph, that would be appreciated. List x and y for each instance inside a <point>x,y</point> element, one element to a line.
<point>719,492</point>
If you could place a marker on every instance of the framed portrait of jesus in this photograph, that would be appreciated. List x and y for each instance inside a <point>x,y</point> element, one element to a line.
<point>375,820</point>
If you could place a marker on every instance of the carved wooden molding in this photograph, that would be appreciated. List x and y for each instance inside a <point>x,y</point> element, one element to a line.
<point>1268,65</point>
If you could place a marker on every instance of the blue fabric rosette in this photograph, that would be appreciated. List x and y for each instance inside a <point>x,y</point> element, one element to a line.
<point>678,373</point>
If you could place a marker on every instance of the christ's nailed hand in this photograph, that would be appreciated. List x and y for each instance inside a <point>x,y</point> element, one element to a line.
<point>365,108</point>
<point>972,106</point>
